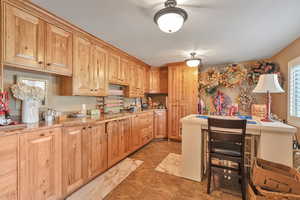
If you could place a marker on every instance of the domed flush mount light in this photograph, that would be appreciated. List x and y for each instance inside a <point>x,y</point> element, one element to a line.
<point>171,18</point>
<point>193,61</point>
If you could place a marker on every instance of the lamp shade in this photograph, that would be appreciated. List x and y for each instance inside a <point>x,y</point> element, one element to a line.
<point>268,83</point>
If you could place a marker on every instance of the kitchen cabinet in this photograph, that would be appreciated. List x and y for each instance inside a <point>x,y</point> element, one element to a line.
<point>8,167</point>
<point>94,150</point>
<point>135,133</point>
<point>34,44</point>
<point>145,127</point>
<point>182,96</point>
<point>115,142</point>
<point>72,156</point>
<point>160,124</point>
<point>114,65</point>
<point>90,73</point>
<point>99,71</point>
<point>58,50</point>
<point>82,68</point>
<point>126,131</point>
<point>158,80</point>
<point>40,165</point>
<point>123,72</point>
<point>154,80</point>
<point>24,39</point>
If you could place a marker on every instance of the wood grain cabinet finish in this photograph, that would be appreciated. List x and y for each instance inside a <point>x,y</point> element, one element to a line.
<point>115,142</point>
<point>94,151</point>
<point>32,43</point>
<point>58,50</point>
<point>182,96</point>
<point>82,67</point>
<point>135,134</point>
<point>40,165</point>
<point>72,156</point>
<point>24,39</point>
<point>8,167</point>
<point>160,124</point>
<point>158,80</point>
<point>114,65</point>
<point>99,71</point>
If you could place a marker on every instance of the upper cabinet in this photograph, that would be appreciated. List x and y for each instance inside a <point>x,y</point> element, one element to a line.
<point>32,43</point>
<point>158,80</point>
<point>24,39</point>
<point>118,69</point>
<point>90,76</point>
<point>58,50</point>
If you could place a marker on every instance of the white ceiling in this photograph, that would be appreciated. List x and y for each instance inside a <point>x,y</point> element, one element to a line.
<point>222,31</point>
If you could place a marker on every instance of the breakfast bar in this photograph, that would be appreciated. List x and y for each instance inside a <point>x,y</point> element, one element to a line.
<point>279,150</point>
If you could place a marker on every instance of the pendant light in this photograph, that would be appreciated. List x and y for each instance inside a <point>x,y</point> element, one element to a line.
<point>193,61</point>
<point>171,18</point>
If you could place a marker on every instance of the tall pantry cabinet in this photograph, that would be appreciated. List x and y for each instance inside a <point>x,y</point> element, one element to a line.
<point>182,96</point>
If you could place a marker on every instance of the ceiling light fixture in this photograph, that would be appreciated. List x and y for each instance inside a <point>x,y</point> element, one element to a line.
<point>171,18</point>
<point>193,61</point>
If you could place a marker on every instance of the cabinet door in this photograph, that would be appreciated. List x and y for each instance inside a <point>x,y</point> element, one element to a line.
<point>82,67</point>
<point>135,134</point>
<point>114,67</point>
<point>58,50</point>
<point>72,159</point>
<point>124,71</point>
<point>114,143</point>
<point>160,124</point>
<point>163,77</point>
<point>154,81</point>
<point>40,165</point>
<point>8,167</point>
<point>126,131</point>
<point>99,72</point>
<point>24,39</point>
<point>95,148</point>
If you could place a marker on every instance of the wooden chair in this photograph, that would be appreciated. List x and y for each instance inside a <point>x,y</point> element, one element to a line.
<point>226,141</point>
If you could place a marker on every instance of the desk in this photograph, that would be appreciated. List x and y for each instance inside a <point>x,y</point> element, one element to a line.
<point>275,143</point>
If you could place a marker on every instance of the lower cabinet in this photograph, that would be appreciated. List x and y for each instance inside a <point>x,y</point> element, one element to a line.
<point>119,140</point>
<point>40,165</point>
<point>160,124</point>
<point>95,151</point>
<point>8,167</point>
<point>135,133</point>
<point>72,154</point>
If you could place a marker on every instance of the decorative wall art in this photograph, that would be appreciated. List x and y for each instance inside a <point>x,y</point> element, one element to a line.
<point>227,89</point>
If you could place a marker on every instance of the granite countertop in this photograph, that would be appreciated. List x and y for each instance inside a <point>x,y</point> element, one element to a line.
<point>71,122</point>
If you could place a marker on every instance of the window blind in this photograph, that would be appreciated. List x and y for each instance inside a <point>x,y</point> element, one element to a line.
<point>295,91</point>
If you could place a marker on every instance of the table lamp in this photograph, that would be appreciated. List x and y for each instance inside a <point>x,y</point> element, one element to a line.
<point>268,83</point>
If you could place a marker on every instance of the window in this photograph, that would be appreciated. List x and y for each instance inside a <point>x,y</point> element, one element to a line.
<point>294,92</point>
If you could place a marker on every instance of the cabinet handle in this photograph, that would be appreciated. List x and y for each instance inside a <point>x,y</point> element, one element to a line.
<point>40,62</point>
<point>42,134</point>
<point>48,64</point>
<point>90,126</point>
<point>84,128</point>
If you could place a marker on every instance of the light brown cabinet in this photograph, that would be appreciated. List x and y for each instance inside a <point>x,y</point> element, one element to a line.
<point>90,77</point>
<point>72,156</point>
<point>115,142</point>
<point>114,65</point>
<point>32,43</point>
<point>160,124</point>
<point>58,50</point>
<point>24,39</point>
<point>182,96</point>
<point>40,165</point>
<point>94,150</point>
<point>145,127</point>
<point>135,133</point>
<point>8,167</point>
<point>158,80</point>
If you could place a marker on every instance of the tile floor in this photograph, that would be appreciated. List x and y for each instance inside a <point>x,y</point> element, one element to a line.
<point>146,183</point>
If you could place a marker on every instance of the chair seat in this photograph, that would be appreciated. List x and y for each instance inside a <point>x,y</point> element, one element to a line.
<point>226,152</point>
